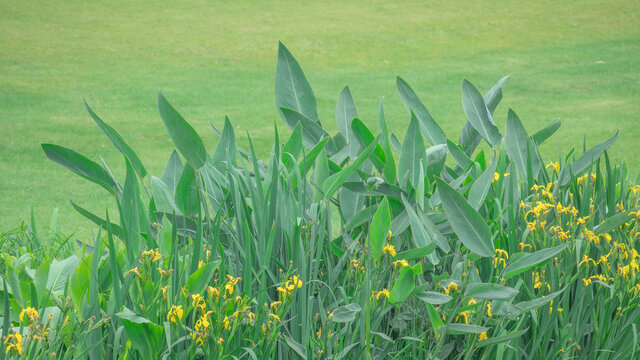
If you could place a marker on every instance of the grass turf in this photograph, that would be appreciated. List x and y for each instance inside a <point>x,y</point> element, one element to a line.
<point>577,61</point>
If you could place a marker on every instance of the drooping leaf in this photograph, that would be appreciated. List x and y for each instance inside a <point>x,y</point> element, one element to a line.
<point>428,127</point>
<point>466,222</point>
<point>80,165</point>
<point>119,142</point>
<point>116,229</point>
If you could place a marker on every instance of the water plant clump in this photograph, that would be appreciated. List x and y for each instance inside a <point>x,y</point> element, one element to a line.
<point>348,246</point>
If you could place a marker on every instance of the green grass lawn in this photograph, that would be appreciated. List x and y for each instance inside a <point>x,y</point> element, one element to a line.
<point>577,61</point>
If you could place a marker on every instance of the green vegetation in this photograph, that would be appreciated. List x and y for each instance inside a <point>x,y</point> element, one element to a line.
<point>216,58</point>
<point>351,246</point>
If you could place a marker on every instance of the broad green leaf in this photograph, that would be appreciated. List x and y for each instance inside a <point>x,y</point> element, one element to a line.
<point>163,197</point>
<point>461,159</point>
<point>436,157</point>
<point>295,346</point>
<point>434,298</point>
<point>60,272</point>
<point>515,140</point>
<point>480,188</point>
<point>417,253</point>
<point>545,133</point>
<point>531,260</point>
<point>226,149</point>
<point>312,132</point>
<point>428,127</point>
<point>130,214</point>
<point>380,224</point>
<point>345,113</point>
<point>172,171</point>
<point>490,291</point>
<point>199,280</point>
<point>470,227</point>
<point>292,88</point>
<point>434,318</point>
<point>502,339</point>
<point>333,182</point>
<point>346,313</point>
<point>320,174</point>
<point>412,155</point>
<point>364,137</point>
<point>145,336</point>
<point>584,161</point>
<point>389,165</point>
<point>80,165</point>
<point>183,135</point>
<point>478,114</point>
<point>458,329</point>
<point>525,306</point>
<point>613,222</point>
<point>119,142</point>
<point>187,195</point>
<point>469,137</point>
<point>403,287</point>
<point>292,148</point>
<point>420,236</point>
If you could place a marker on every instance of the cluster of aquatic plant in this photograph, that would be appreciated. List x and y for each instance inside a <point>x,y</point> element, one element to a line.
<point>349,246</point>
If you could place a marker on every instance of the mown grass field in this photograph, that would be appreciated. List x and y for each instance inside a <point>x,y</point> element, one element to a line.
<point>579,62</point>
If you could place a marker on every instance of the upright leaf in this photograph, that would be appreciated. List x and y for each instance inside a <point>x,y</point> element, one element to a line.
<point>183,135</point>
<point>412,154</point>
<point>226,149</point>
<point>478,114</point>
<point>292,88</point>
<point>172,171</point>
<point>380,224</point>
<point>345,113</point>
<point>429,128</point>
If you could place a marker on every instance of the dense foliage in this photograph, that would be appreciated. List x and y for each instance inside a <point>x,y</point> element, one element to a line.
<point>353,246</point>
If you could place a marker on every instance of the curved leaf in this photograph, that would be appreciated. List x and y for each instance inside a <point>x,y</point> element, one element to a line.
<point>466,222</point>
<point>119,142</point>
<point>80,165</point>
<point>428,127</point>
<point>531,260</point>
<point>292,88</point>
<point>183,135</point>
<point>478,114</point>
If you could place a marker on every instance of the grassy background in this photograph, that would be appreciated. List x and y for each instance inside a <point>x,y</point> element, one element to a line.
<point>577,61</point>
